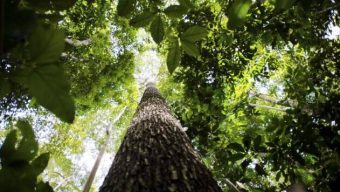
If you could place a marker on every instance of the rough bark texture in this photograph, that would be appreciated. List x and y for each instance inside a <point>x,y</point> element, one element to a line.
<point>156,154</point>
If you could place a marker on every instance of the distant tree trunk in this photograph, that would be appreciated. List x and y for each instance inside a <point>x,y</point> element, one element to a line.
<point>156,154</point>
<point>93,172</point>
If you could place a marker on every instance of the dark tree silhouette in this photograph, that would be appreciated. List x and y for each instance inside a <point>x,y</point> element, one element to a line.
<point>156,154</point>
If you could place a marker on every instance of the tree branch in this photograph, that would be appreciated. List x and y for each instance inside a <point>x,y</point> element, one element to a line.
<point>78,43</point>
<point>269,107</point>
<point>232,185</point>
<point>263,97</point>
<point>93,172</point>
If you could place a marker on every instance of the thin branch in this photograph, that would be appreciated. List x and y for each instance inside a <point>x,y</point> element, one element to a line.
<point>263,97</point>
<point>329,8</point>
<point>232,185</point>
<point>92,175</point>
<point>291,103</point>
<point>64,180</point>
<point>269,107</point>
<point>78,43</point>
<point>95,167</point>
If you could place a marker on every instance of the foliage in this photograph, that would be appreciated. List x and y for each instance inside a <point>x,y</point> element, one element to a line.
<point>256,82</point>
<point>261,149</point>
<point>20,165</point>
<point>61,61</point>
<point>31,53</point>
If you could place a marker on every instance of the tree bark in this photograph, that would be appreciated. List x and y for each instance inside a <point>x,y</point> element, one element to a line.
<point>156,154</point>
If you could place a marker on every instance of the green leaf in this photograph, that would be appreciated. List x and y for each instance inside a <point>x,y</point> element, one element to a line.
<point>237,13</point>
<point>194,34</point>
<point>246,141</point>
<point>8,148</point>
<point>190,48</point>
<point>49,86</point>
<point>125,7</point>
<point>44,187</point>
<point>4,86</point>
<point>186,3</point>
<point>50,4</point>
<point>40,163</point>
<point>174,55</point>
<point>28,146</point>
<point>245,163</point>
<point>235,146</point>
<point>15,179</point>
<point>259,169</point>
<point>16,173</point>
<point>142,20</point>
<point>257,142</point>
<point>278,176</point>
<point>176,11</point>
<point>26,149</point>
<point>46,44</point>
<point>157,29</point>
<point>236,156</point>
<point>283,4</point>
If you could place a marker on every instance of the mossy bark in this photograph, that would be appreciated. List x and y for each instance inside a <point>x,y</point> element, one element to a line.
<point>156,154</point>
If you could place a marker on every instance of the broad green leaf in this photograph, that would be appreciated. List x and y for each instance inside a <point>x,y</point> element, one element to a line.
<point>235,146</point>
<point>245,163</point>
<point>49,86</point>
<point>40,163</point>
<point>259,170</point>
<point>157,29</point>
<point>176,11</point>
<point>257,142</point>
<point>236,156</point>
<point>190,48</point>
<point>194,33</point>
<point>44,187</point>
<point>28,146</point>
<point>46,44</point>
<point>125,7</point>
<point>8,148</point>
<point>16,173</point>
<point>246,141</point>
<point>237,13</point>
<point>17,177</point>
<point>174,55</point>
<point>142,20</point>
<point>278,176</point>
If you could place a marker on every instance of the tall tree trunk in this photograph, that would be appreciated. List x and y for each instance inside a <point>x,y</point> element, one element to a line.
<point>156,154</point>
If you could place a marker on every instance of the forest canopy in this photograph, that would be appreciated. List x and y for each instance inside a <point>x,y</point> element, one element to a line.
<point>255,82</point>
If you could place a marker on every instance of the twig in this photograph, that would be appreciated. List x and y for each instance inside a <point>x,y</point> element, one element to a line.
<point>232,185</point>
<point>329,8</point>
<point>269,107</point>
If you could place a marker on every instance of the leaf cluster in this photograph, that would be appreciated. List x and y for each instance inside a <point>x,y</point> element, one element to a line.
<point>20,165</point>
